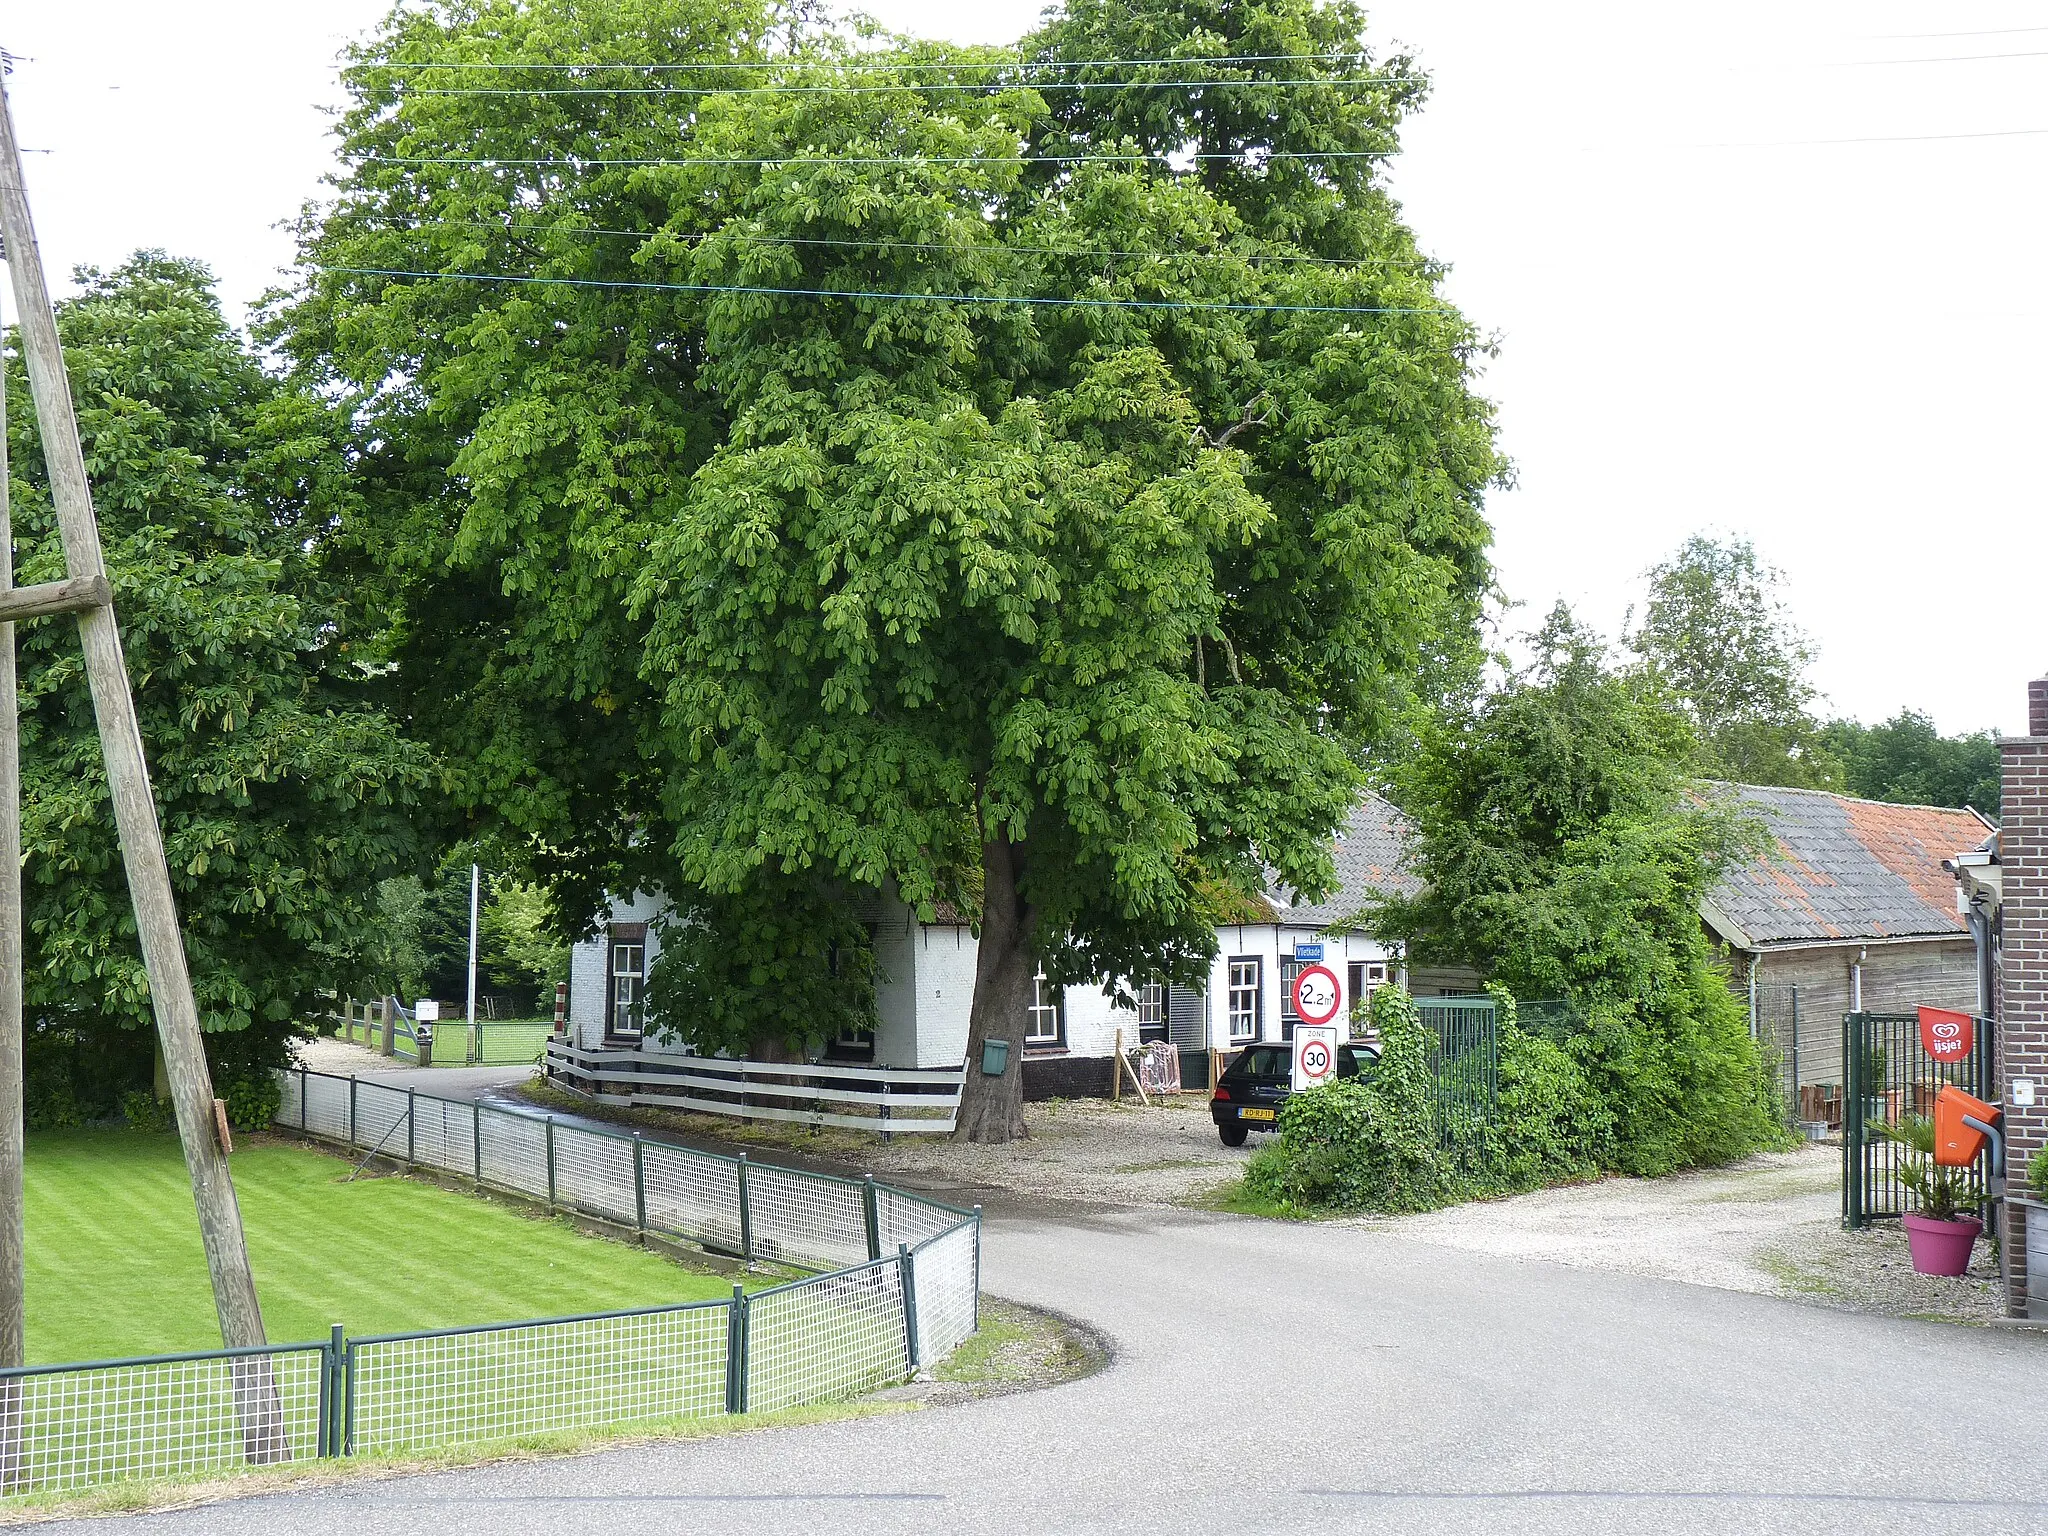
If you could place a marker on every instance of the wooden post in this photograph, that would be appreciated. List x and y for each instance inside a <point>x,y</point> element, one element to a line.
<point>13,1235</point>
<point>385,1043</point>
<point>149,880</point>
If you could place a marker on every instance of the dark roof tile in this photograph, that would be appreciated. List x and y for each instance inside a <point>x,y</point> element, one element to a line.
<point>1844,868</point>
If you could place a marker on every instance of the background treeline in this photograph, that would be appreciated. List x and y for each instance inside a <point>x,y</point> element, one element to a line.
<point>1718,631</point>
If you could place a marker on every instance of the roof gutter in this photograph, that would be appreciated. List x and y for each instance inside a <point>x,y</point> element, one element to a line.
<point>1953,935</point>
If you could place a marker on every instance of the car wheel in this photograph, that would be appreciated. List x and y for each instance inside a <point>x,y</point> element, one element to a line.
<point>1233,1135</point>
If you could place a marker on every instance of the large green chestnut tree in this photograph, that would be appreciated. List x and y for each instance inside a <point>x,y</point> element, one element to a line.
<point>921,475</point>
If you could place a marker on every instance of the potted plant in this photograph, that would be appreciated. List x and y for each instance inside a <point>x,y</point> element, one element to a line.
<point>1942,1232</point>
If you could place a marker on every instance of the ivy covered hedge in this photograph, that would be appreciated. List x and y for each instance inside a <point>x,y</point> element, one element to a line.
<point>1627,1092</point>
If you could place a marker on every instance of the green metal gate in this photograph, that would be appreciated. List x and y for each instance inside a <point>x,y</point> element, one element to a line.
<point>1464,1062</point>
<point>1886,1077</point>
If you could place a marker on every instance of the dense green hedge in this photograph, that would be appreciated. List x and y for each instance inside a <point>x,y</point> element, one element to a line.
<point>1618,1092</point>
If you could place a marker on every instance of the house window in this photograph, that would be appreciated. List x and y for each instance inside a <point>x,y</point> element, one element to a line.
<point>1152,1011</point>
<point>625,1018</point>
<point>1367,977</point>
<point>1245,991</point>
<point>1046,1023</point>
<point>853,1042</point>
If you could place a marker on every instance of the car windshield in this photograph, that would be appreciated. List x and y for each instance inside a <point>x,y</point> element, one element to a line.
<point>1354,1059</point>
<point>1263,1061</point>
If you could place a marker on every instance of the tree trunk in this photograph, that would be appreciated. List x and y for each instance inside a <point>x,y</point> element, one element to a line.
<point>992,1108</point>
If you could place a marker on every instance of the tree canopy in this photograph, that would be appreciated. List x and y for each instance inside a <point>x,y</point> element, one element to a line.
<point>285,795</point>
<point>1908,761</point>
<point>919,477</point>
<point>1565,852</point>
<point>1718,633</point>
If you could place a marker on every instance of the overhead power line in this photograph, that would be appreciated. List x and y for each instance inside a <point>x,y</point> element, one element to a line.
<point>1057,301</point>
<point>876,90</point>
<point>572,162</point>
<point>1885,138</point>
<point>1901,37</point>
<point>859,64</point>
<point>886,245</point>
<point>1942,58</point>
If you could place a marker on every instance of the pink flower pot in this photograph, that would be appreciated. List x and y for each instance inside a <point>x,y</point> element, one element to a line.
<point>1941,1247</point>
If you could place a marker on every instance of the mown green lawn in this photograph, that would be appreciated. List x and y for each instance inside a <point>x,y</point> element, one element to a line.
<point>115,1266</point>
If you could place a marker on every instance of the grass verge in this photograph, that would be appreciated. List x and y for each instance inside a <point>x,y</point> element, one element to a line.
<point>1017,1348</point>
<point>182,1493</point>
<point>1234,1198</point>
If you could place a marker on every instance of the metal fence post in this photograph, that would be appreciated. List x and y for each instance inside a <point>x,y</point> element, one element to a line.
<point>1852,1123</point>
<point>551,1162</point>
<point>331,1392</point>
<point>907,1266</point>
<point>639,1183</point>
<point>871,1214</point>
<point>1799,1110</point>
<point>348,1401</point>
<point>302,1098</point>
<point>736,1351</point>
<point>411,1120</point>
<point>977,1269</point>
<point>476,1136</point>
<point>351,1109</point>
<point>746,1215</point>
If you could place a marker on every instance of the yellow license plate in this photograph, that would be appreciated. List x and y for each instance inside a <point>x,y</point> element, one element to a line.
<point>1255,1114</point>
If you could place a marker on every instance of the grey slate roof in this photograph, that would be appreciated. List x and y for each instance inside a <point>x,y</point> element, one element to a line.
<point>1372,855</point>
<point>1843,869</point>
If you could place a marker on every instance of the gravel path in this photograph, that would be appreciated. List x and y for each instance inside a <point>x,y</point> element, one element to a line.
<point>1771,1225</point>
<point>1086,1151</point>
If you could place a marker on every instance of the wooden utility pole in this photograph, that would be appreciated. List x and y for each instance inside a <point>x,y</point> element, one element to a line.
<point>13,1329</point>
<point>87,594</point>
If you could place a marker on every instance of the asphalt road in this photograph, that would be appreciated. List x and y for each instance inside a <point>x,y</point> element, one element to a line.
<point>1292,1378</point>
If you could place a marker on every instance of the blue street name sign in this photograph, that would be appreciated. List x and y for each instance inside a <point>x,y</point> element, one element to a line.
<point>1306,951</point>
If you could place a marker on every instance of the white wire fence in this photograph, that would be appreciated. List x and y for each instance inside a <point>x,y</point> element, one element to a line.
<point>901,1289</point>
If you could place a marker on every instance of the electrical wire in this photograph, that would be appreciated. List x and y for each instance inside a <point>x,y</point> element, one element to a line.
<point>1893,138</point>
<point>901,298</point>
<point>873,90</point>
<point>890,245</point>
<point>1136,157</point>
<point>1899,37</point>
<point>1945,58</point>
<point>894,63</point>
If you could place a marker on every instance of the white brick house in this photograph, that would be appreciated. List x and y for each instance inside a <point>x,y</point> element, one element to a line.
<point>927,978</point>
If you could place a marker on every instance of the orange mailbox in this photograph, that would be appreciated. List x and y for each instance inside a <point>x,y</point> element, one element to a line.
<point>1957,1144</point>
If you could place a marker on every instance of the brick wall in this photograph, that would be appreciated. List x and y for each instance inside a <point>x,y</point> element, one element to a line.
<point>2023,968</point>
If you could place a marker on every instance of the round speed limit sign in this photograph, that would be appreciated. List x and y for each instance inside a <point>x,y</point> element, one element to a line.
<point>1317,994</point>
<point>1316,1058</point>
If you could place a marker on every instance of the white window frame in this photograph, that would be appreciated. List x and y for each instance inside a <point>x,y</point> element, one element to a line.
<point>1244,997</point>
<point>628,990</point>
<point>1152,1011</point>
<point>1048,1002</point>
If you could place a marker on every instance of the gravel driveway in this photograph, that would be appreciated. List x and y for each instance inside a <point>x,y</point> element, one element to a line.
<point>1771,1225</point>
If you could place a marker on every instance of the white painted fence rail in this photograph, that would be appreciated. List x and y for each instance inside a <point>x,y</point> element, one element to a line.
<point>890,1100</point>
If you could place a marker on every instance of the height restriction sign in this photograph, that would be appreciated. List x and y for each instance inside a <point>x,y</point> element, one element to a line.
<point>1317,994</point>
<point>1315,1055</point>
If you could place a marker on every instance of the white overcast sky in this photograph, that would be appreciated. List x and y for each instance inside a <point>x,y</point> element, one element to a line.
<point>1707,320</point>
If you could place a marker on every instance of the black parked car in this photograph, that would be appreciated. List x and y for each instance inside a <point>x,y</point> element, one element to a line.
<point>1256,1084</point>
